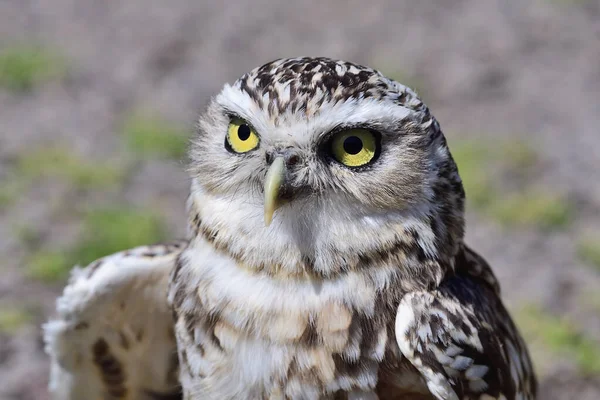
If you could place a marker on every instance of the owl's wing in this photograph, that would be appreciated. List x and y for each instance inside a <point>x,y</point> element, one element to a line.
<point>113,335</point>
<point>463,341</point>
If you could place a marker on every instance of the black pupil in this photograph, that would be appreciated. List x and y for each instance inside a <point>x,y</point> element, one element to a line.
<point>244,132</point>
<point>353,145</point>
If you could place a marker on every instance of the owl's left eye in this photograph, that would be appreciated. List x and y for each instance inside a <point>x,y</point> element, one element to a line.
<point>241,138</point>
<point>355,147</point>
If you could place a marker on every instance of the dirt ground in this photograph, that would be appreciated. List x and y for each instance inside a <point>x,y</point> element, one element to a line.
<point>523,72</point>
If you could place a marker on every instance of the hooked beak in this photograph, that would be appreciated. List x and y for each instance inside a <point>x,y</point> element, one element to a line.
<point>273,183</point>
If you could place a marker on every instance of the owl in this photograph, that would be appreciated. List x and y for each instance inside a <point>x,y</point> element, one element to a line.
<point>325,259</point>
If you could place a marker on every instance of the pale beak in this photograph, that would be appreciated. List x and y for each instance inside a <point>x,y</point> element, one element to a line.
<point>273,182</point>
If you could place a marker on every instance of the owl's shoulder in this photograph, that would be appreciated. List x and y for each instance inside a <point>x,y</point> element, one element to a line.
<point>470,264</point>
<point>461,338</point>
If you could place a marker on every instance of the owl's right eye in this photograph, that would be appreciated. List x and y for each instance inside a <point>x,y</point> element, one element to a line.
<point>241,138</point>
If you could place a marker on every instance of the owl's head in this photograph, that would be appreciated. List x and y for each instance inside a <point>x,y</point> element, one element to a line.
<point>328,162</point>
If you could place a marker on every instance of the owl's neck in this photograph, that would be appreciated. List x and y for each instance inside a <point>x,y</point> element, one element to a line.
<point>323,241</point>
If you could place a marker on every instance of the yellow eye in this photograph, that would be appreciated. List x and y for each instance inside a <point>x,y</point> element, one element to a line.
<point>354,147</point>
<point>240,137</point>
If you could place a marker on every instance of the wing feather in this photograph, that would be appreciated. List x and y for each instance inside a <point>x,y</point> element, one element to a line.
<point>113,336</point>
<point>462,340</point>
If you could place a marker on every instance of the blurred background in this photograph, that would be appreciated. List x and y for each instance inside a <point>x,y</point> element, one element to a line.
<point>98,98</point>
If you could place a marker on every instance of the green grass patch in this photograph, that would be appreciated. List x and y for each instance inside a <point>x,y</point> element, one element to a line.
<point>518,156</point>
<point>591,298</point>
<point>472,157</point>
<point>28,236</point>
<point>10,190</point>
<point>49,266</point>
<point>105,231</point>
<point>60,163</point>
<point>588,250</point>
<point>64,164</point>
<point>110,230</point>
<point>26,66</point>
<point>12,319</point>
<point>543,210</point>
<point>482,164</point>
<point>151,136</point>
<point>561,337</point>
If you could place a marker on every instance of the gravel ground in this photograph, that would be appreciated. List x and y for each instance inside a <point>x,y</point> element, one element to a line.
<point>523,72</point>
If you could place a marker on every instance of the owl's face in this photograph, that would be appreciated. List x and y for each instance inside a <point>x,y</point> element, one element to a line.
<point>328,146</point>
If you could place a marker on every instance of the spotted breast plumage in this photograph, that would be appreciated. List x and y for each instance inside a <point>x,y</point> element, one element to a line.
<point>325,260</point>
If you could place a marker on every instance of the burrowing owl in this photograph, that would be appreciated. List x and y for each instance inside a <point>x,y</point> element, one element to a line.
<point>325,261</point>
